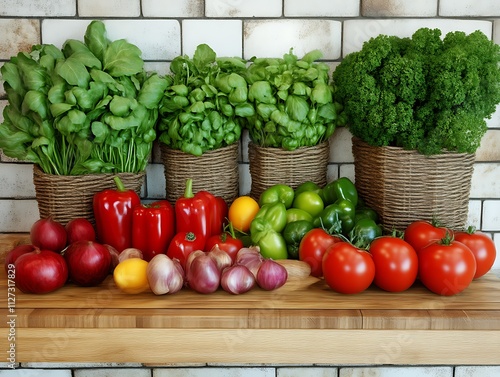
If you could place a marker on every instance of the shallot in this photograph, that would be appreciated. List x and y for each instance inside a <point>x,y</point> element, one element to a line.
<point>130,252</point>
<point>271,275</point>
<point>203,276</point>
<point>164,275</point>
<point>220,257</point>
<point>237,279</point>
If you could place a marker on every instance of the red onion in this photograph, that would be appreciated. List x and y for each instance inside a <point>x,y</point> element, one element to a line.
<point>271,275</point>
<point>251,258</point>
<point>88,262</point>
<point>15,253</point>
<point>203,276</point>
<point>220,257</point>
<point>47,234</point>
<point>191,257</point>
<point>130,252</point>
<point>115,257</point>
<point>41,271</point>
<point>163,275</point>
<point>237,279</point>
<point>80,229</point>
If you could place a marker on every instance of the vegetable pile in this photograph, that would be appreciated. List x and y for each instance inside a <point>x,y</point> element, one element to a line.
<point>87,108</point>
<point>163,248</point>
<point>293,101</point>
<point>423,92</point>
<point>204,107</point>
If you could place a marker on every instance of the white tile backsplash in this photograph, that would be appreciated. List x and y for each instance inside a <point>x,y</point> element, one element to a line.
<point>30,8</point>
<point>397,372</point>
<point>223,36</point>
<point>485,180</point>
<point>399,8</point>
<point>468,8</point>
<point>243,8</point>
<point>109,8</point>
<point>477,371</point>
<point>172,8</point>
<point>321,8</point>
<point>491,215</point>
<point>301,35</point>
<point>17,35</point>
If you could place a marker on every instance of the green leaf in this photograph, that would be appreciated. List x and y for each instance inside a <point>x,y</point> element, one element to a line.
<point>260,91</point>
<point>95,39</point>
<point>296,107</point>
<point>11,75</point>
<point>74,72</point>
<point>312,56</point>
<point>122,59</point>
<point>203,57</point>
<point>57,109</point>
<point>152,91</point>
<point>37,102</point>
<point>321,94</point>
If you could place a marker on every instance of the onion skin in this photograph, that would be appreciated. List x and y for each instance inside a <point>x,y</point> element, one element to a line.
<point>130,252</point>
<point>251,258</point>
<point>203,276</point>
<point>163,275</point>
<point>237,279</point>
<point>271,275</point>
<point>47,234</point>
<point>115,258</point>
<point>41,271</point>
<point>88,262</point>
<point>80,229</point>
<point>15,253</point>
<point>220,257</point>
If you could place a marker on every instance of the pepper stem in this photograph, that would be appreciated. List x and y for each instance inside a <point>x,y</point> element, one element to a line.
<point>119,184</point>
<point>188,192</point>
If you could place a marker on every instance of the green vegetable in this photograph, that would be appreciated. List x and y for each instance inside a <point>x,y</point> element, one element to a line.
<point>310,202</point>
<point>296,214</point>
<point>87,108</point>
<point>308,186</point>
<point>206,104</point>
<point>364,232</point>
<point>342,188</point>
<point>293,101</point>
<point>266,228</point>
<point>423,92</point>
<point>293,234</point>
<point>342,213</point>
<point>278,193</point>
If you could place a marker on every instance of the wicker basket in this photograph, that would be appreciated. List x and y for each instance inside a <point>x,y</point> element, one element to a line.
<point>270,166</point>
<point>65,197</point>
<point>214,171</point>
<point>405,186</point>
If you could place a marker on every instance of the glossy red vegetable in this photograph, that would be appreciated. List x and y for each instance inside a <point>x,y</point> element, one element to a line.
<point>482,247</point>
<point>88,262</point>
<point>183,244</point>
<point>113,215</point>
<point>48,234</point>
<point>192,213</point>
<point>153,228</point>
<point>218,213</point>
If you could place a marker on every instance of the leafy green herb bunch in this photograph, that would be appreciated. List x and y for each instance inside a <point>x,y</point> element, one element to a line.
<point>293,100</point>
<point>423,93</point>
<point>86,108</point>
<point>204,107</point>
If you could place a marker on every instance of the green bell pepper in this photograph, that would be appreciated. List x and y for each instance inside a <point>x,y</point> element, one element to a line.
<point>342,210</point>
<point>278,193</point>
<point>266,228</point>
<point>364,232</point>
<point>342,188</point>
<point>309,186</point>
<point>365,212</point>
<point>293,234</point>
<point>310,202</point>
<point>296,214</point>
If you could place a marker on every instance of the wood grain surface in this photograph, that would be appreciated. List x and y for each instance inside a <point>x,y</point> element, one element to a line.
<point>85,323</point>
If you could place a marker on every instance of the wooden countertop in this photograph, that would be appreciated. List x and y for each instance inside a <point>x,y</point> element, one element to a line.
<point>304,322</point>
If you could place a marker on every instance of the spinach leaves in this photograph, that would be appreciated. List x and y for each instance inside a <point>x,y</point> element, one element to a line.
<point>86,108</point>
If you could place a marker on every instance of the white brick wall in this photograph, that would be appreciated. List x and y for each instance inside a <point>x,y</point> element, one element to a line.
<point>164,29</point>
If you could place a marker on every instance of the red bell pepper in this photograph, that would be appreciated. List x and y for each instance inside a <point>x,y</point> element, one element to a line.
<point>218,212</point>
<point>153,228</point>
<point>113,215</point>
<point>183,244</point>
<point>192,213</point>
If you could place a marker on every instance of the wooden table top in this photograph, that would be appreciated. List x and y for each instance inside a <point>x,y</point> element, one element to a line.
<point>258,326</point>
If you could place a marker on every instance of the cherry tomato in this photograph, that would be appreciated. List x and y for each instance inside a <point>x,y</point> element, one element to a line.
<point>226,242</point>
<point>446,267</point>
<point>348,269</point>
<point>313,246</point>
<point>481,246</point>
<point>396,263</point>
<point>422,233</point>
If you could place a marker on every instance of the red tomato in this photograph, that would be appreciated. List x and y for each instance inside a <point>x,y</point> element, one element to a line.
<point>313,246</point>
<point>348,269</point>
<point>420,234</point>
<point>226,242</point>
<point>481,246</point>
<point>396,263</point>
<point>446,267</point>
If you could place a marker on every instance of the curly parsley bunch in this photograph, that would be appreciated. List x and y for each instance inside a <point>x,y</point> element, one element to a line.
<point>423,92</point>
